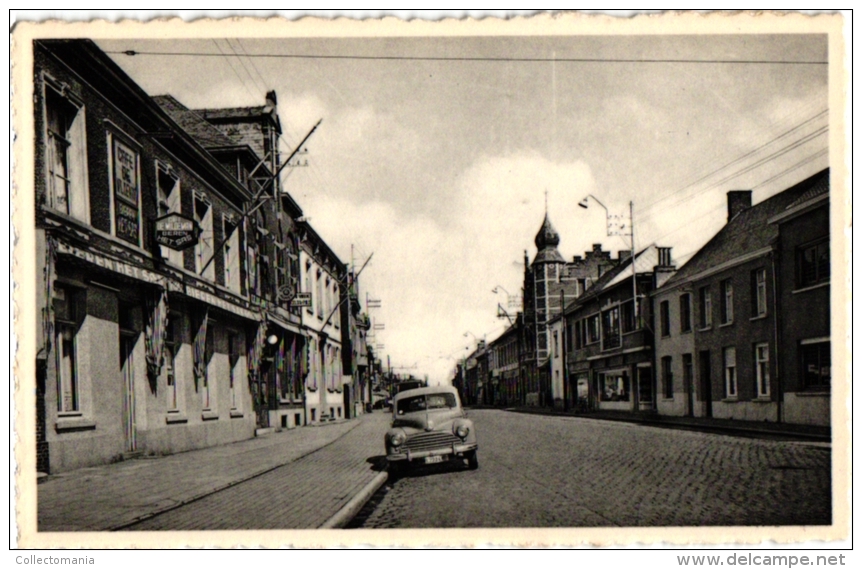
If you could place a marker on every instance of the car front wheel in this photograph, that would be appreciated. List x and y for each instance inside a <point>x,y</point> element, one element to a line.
<point>472,460</point>
<point>397,468</point>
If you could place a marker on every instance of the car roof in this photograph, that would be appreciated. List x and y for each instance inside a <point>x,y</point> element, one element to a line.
<point>426,390</point>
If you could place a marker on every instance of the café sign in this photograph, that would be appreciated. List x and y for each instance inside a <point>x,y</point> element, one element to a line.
<point>301,299</point>
<point>177,231</point>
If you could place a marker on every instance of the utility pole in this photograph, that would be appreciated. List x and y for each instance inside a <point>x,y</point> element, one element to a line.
<point>257,196</point>
<point>563,351</point>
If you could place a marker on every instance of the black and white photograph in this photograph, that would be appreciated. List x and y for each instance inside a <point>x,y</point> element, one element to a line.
<point>560,273</point>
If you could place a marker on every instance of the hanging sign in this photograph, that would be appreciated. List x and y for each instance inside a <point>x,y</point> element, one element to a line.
<point>301,299</point>
<point>177,231</point>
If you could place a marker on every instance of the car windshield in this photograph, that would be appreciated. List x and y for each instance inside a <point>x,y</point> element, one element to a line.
<point>426,402</point>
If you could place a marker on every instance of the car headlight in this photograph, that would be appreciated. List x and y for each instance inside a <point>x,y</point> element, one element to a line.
<point>396,439</point>
<point>462,431</point>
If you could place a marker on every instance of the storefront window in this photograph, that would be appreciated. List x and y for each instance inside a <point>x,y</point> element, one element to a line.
<point>615,386</point>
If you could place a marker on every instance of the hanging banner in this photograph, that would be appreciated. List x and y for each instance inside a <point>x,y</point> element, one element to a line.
<point>49,275</point>
<point>156,331</point>
<point>200,348</point>
<point>255,351</point>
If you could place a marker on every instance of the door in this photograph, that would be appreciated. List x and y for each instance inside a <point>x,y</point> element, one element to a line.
<point>645,388</point>
<point>127,365</point>
<point>705,382</point>
<point>347,405</point>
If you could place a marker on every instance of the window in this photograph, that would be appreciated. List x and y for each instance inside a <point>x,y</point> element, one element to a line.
<point>630,323</point>
<point>66,327</point>
<point>705,307</point>
<point>685,313</point>
<point>233,347</point>
<point>204,248</point>
<point>230,226</point>
<point>667,377</point>
<point>308,287</point>
<point>65,154</point>
<point>758,293</point>
<point>614,386</point>
<point>726,301</point>
<point>336,302</point>
<point>761,369</point>
<point>126,190</point>
<point>611,328</point>
<point>569,337</point>
<point>168,197</point>
<point>319,294</point>
<point>593,329</point>
<point>812,264</point>
<point>664,316</point>
<point>556,345</point>
<point>730,387</point>
<point>816,364</point>
<point>251,260</point>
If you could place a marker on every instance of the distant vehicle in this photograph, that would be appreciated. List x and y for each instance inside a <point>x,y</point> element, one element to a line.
<point>429,426</point>
<point>409,384</point>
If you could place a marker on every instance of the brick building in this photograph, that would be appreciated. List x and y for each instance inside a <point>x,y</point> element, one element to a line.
<point>609,336</point>
<point>724,316</point>
<point>549,283</point>
<point>209,344</point>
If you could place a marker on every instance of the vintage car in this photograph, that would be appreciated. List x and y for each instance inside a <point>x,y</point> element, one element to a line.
<point>429,426</point>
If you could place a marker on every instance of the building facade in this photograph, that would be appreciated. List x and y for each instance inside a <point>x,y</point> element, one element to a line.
<point>175,323</point>
<point>725,315</point>
<point>549,283</point>
<point>214,341</point>
<point>611,333</point>
<point>804,346</point>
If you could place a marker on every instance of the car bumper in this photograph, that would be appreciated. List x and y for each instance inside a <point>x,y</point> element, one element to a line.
<point>455,451</point>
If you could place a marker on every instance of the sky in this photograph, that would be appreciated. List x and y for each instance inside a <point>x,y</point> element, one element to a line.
<point>442,168</point>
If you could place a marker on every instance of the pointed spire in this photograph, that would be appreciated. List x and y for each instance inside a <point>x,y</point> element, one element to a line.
<point>547,237</point>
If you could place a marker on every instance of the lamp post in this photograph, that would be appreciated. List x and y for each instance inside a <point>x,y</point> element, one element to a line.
<point>617,228</point>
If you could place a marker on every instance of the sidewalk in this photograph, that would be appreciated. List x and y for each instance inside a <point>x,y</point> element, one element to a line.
<point>116,495</point>
<point>704,424</point>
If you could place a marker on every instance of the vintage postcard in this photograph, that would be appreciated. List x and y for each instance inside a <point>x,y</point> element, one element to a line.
<point>563,279</point>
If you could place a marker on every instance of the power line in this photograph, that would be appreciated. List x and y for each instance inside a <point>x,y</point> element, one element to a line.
<point>132,52</point>
<point>251,61</point>
<point>235,72</point>
<point>733,162</point>
<point>257,86</point>
<point>796,166</point>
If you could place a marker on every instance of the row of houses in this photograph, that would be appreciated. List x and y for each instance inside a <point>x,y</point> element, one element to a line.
<point>741,331</point>
<point>246,322</point>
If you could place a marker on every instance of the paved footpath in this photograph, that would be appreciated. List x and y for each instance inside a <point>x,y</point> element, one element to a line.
<point>117,496</point>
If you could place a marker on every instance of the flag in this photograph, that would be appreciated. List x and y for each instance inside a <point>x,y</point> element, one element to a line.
<point>156,331</point>
<point>255,351</point>
<point>200,348</point>
<point>49,275</point>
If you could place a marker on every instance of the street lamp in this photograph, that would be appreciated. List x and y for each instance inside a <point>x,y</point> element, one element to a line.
<point>611,219</point>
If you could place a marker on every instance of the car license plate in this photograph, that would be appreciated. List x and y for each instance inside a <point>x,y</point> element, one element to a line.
<point>433,459</point>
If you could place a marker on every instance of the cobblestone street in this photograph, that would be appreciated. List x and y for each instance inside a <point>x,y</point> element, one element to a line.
<point>539,471</point>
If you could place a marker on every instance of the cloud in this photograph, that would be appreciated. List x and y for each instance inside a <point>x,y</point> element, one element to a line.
<point>435,275</point>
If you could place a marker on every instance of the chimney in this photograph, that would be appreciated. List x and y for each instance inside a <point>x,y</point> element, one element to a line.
<point>271,99</point>
<point>737,201</point>
<point>597,247</point>
<point>664,269</point>
<point>624,254</point>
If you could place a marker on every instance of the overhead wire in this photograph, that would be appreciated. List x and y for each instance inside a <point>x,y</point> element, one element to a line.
<point>131,52</point>
<point>733,162</point>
